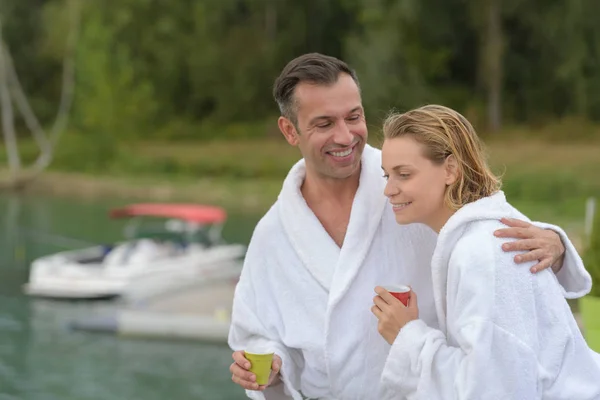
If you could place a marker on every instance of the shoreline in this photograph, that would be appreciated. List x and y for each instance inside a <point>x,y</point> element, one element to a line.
<point>255,195</point>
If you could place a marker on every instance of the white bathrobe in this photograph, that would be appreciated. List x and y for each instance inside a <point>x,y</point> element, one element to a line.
<point>503,333</point>
<point>309,300</point>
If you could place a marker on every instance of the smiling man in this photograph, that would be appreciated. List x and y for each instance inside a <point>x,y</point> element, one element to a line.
<point>315,258</point>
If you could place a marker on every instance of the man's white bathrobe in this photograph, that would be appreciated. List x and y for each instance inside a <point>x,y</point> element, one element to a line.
<point>503,333</point>
<point>310,301</point>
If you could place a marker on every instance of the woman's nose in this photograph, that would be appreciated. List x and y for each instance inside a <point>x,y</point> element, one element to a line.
<point>390,190</point>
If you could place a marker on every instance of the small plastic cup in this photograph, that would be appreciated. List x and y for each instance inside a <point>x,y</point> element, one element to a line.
<point>260,365</point>
<point>401,292</point>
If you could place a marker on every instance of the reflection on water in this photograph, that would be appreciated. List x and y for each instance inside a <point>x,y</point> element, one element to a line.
<point>40,358</point>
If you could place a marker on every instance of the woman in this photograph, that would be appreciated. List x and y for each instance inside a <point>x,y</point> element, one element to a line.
<point>504,332</point>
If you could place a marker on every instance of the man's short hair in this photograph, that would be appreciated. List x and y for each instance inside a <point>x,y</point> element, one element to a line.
<point>313,68</point>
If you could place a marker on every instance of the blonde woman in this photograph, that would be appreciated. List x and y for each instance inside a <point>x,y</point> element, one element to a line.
<point>504,333</point>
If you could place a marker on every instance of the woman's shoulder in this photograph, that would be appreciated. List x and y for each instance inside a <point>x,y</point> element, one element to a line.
<point>478,238</point>
<point>478,245</point>
<point>476,222</point>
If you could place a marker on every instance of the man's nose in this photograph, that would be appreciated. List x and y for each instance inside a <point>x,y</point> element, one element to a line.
<point>343,135</point>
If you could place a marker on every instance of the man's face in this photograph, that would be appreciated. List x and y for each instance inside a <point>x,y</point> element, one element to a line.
<point>331,128</point>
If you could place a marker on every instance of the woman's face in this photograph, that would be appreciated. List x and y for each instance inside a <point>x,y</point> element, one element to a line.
<point>415,185</point>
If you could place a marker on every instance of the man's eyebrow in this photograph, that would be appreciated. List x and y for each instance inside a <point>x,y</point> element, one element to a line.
<point>320,117</point>
<point>327,117</point>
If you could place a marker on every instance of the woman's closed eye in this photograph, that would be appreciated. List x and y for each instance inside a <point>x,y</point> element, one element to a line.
<point>401,176</point>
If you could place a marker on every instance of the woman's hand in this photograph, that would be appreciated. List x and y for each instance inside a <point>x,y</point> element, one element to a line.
<point>392,314</point>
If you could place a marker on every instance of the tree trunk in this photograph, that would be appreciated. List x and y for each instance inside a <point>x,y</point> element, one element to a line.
<point>8,118</point>
<point>494,68</point>
<point>10,86</point>
<point>270,21</point>
<point>22,104</point>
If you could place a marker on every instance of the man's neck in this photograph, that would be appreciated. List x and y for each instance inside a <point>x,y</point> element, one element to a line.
<point>316,189</point>
<point>331,202</point>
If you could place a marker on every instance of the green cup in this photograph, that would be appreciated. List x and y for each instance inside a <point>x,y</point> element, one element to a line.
<point>260,365</point>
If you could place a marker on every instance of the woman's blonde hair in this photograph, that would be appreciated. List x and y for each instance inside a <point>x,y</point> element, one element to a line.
<point>445,132</point>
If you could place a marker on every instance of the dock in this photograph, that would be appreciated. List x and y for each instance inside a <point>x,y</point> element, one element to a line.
<point>197,311</point>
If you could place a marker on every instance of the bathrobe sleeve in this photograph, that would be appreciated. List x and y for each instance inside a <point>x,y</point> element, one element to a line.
<point>482,361</point>
<point>574,279</point>
<point>253,322</point>
<point>486,363</point>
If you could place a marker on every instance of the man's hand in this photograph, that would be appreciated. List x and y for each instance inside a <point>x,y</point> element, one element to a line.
<point>543,245</point>
<point>392,314</point>
<point>241,375</point>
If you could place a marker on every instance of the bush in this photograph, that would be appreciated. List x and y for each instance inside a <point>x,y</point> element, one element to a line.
<point>85,153</point>
<point>542,186</point>
<point>591,257</point>
<point>182,130</point>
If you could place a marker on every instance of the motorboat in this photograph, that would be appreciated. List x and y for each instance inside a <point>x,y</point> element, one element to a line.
<point>165,245</point>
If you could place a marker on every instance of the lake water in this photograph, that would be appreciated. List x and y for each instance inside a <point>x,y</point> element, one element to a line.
<point>41,359</point>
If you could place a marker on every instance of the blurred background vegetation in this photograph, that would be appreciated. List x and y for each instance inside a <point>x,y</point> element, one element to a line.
<point>182,90</point>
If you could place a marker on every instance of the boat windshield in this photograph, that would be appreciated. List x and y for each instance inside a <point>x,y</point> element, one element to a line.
<point>173,230</point>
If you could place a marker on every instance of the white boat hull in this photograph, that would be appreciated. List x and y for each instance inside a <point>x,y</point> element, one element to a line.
<point>61,276</point>
<point>73,290</point>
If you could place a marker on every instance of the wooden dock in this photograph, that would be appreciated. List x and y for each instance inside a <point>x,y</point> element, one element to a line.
<point>200,311</point>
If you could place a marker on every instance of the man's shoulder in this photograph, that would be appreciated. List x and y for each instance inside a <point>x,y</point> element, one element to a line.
<point>269,224</point>
<point>375,150</point>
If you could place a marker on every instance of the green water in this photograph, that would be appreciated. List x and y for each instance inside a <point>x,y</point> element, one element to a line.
<point>40,358</point>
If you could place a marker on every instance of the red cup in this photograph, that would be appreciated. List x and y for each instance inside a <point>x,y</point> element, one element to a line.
<point>401,292</point>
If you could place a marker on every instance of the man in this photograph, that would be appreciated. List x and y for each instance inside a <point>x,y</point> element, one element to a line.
<point>315,258</point>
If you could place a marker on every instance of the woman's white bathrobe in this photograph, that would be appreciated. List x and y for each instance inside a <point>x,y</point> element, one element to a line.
<point>503,333</point>
<point>310,300</point>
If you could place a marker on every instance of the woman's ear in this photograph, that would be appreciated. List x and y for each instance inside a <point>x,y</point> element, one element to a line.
<point>452,171</point>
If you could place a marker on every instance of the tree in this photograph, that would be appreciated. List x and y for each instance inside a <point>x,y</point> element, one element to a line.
<point>11,91</point>
<point>493,64</point>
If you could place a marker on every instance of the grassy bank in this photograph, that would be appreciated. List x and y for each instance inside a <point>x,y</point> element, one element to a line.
<point>252,196</point>
<point>547,180</point>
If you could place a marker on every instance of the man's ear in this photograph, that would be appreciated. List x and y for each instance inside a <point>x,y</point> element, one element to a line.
<point>288,129</point>
<point>452,170</point>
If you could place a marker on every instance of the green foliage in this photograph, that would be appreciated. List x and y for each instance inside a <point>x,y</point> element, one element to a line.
<point>23,32</point>
<point>111,102</point>
<point>401,60</point>
<point>591,257</point>
<point>185,130</point>
<point>184,70</point>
